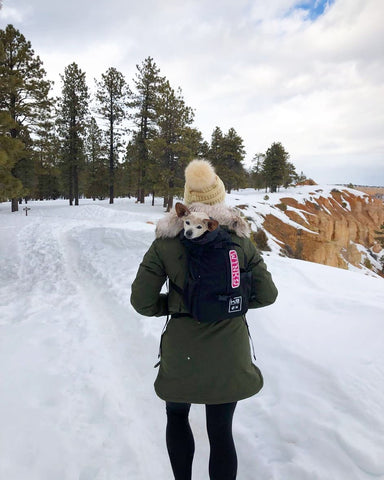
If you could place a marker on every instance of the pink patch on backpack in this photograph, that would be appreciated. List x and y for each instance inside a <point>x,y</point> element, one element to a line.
<point>235,269</point>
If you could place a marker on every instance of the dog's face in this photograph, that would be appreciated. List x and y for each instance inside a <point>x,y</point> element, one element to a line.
<point>195,223</point>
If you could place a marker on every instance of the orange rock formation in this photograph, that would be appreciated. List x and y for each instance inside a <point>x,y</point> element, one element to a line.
<point>338,223</point>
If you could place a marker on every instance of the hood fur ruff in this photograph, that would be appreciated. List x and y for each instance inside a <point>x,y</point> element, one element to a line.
<point>171,225</point>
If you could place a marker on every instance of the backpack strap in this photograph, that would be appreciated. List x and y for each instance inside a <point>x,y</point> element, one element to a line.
<point>176,287</point>
<point>245,255</point>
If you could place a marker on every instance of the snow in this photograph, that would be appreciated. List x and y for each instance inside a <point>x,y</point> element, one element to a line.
<point>76,382</point>
<point>256,205</point>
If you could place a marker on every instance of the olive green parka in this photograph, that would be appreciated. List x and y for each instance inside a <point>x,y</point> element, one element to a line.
<point>200,363</point>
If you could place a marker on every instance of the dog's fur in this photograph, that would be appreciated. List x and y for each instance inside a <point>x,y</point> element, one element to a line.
<point>196,223</point>
<point>171,225</point>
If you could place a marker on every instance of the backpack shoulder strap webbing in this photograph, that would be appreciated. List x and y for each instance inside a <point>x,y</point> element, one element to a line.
<point>176,287</point>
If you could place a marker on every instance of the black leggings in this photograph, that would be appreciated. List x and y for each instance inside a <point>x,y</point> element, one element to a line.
<point>181,445</point>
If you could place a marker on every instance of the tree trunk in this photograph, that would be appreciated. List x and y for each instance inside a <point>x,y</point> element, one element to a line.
<point>141,191</point>
<point>169,203</point>
<point>14,205</point>
<point>142,187</point>
<point>139,184</point>
<point>153,198</point>
<point>70,185</point>
<point>76,184</point>
<point>14,132</point>
<point>111,163</point>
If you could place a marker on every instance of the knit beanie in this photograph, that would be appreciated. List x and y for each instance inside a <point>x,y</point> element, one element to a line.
<point>202,184</point>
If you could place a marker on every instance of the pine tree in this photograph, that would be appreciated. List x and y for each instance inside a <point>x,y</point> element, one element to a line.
<point>227,154</point>
<point>11,149</point>
<point>24,96</point>
<point>290,175</point>
<point>274,166</point>
<point>46,155</point>
<point>301,178</point>
<point>214,152</point>
<point>194,142</point>
<point>144,101</point>
<point>72,121</point>
<point>257,174</point>
<point>130,168</point>
<point>97,182</point>
<point>230,168</point>
<point>112,98</point>
<point>170,147</point>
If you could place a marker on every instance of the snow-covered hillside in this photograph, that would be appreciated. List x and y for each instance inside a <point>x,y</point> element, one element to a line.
<point>334,225</point>
<point>76,394</point>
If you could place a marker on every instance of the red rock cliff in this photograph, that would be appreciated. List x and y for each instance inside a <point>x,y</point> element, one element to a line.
<point>334,227</point>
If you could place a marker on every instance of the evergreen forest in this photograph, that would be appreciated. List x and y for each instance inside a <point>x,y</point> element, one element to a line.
<point>115,138</point>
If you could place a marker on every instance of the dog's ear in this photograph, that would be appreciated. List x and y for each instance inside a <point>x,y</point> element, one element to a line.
<point>211,224</point>
<point>181,210</point>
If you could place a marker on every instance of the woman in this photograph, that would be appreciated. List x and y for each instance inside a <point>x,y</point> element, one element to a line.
<point>204,363</point>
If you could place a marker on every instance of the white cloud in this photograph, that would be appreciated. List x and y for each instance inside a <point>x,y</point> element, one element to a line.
<point>10,15</point>
<point>262,67</point>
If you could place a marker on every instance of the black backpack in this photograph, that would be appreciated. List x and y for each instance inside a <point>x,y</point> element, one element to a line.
<point>216,287</point>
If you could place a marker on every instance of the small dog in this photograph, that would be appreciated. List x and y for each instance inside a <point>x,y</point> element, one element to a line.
<point>195,223</point>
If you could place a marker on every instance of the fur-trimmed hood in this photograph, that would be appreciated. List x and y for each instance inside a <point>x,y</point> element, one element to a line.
<point>171,225</point>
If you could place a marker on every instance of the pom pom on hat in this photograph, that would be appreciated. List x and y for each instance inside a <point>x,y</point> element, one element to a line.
<point>202,184</point>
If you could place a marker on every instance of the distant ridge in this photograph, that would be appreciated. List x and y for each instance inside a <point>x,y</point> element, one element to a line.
<point>370,190</point>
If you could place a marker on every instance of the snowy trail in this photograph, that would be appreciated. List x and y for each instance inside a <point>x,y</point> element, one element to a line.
<point>76,383</point>
<point>115,339</point>
<point>67,322</point>
<point>125,336</point>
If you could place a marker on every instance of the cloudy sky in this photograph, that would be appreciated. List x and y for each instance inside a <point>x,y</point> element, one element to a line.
<point>307,73</point>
